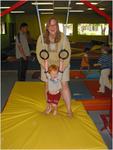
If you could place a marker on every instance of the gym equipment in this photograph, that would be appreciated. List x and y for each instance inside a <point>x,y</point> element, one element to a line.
<point>44,54</point>
<point>25,126</point>
<point>63,54</point>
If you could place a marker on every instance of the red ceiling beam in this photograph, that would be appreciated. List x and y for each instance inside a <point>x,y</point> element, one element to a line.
<point>100,12</point>
<point>13,7</point>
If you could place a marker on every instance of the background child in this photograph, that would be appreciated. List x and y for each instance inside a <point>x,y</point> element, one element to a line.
<point>85,60</point>
<point>54,76</point>
<point>105,62</point>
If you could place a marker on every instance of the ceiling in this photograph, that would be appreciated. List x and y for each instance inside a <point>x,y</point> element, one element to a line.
<point>30,9</point>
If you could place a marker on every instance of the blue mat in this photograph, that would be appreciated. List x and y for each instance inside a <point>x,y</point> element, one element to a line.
<point>79,90</point>
<point>93,74</point>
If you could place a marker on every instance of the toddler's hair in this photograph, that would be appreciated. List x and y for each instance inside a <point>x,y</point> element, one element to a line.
<point>52,68</point>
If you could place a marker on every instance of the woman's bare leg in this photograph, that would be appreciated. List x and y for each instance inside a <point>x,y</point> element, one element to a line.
<point>55,109</point>
<point>66,96</point>
<point>46,90</point>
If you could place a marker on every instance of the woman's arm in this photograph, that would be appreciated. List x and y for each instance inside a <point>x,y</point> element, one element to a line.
<point>99,63</point>
<point>68,48</point>
<point>61,66</point>
<point>46,65</point>
<point>61,69</point>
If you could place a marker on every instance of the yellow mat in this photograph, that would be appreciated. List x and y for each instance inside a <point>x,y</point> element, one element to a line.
<point>25,126</point>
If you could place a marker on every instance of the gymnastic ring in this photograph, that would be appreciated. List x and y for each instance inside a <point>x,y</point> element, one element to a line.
<point>44,51</point>
<point>63,51</point>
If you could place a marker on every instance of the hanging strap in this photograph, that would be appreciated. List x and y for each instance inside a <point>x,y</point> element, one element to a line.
<point>40,26</point>
<point>67,18</point>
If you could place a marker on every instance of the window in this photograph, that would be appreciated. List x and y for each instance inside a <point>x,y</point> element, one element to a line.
<point>3,28</point>
<point>93,29</point>
<point>69,28</point>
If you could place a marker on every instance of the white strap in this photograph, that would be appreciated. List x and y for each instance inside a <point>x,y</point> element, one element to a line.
<point>65,28</point>
<point>40,26</point>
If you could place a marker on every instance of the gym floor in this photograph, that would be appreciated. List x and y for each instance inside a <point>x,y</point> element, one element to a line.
<point>10,77</point>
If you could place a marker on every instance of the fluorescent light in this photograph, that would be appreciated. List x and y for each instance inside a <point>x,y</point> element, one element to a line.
<point>45,9</point>
<point>89,8</point>
<point>76,10</point>
<point>46,13</point>
<point>19,12</point>
<point>94,3</point>
<point>62,7</point>
<point>98,8</point>
<point>80,3</point>
<point>40,3</point>
<point>102,8</point>
<point>4,7</point>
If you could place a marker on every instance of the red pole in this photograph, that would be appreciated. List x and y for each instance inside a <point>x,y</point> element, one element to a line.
<point>13,7</point>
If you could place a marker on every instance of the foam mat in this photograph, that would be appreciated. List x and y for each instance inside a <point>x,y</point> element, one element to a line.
<point>93,86</point>
<point>79,90</point>
<point>77,74</point>
<point>25,126</point>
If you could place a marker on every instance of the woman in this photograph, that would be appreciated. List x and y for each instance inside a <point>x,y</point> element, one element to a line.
<point>53,40</point>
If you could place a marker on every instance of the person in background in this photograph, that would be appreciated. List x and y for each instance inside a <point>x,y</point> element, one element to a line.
<point>31,41</point>
<point>105,63</point>
<point>22,51</point>
<point>85,60</point>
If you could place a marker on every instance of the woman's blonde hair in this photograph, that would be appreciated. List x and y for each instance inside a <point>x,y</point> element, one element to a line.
<point>58,33</point>
<point>52,68</point>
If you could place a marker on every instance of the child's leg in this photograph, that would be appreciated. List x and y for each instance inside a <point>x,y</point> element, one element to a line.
<point>48,108</point>
<point>101,81</point>
<point>55,109</point>
<point>49,101</point>
<point>106,78</point>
